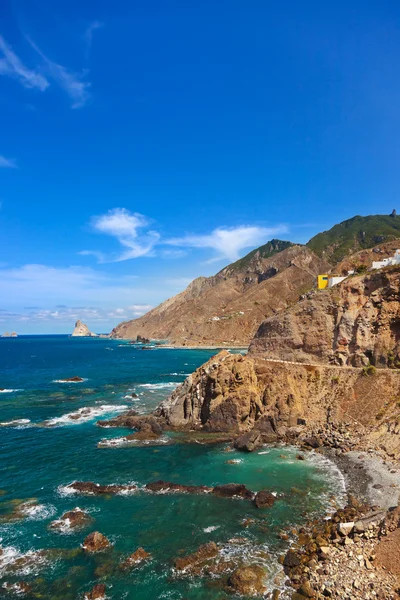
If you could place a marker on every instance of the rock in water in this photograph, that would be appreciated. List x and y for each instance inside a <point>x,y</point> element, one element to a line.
<point>202,554</point>
<point>231,490</point>
<point>135,559</point>
<point>73,519</point>
<point>97,593</point>
<point>248,580</point>
<point>82,330</point>
<point>95,542</point>
<point>264,499</point>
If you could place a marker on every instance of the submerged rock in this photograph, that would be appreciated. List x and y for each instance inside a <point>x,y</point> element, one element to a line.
<point>202,554</point>
<point>140,555</point>
<point>95,542</point>
<point>248,580</point>
<point>20,588</point>
<point>97,593</point>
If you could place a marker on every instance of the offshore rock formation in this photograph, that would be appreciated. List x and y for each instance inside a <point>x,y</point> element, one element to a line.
<point>356,323</point>
<point>82,330</point>
<point>228,307</point>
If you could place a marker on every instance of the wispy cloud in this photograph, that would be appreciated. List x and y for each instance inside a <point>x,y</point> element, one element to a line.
<point>12,65</point>
<point>71,83</point>
<point>88,36</point>
<point>126,227</point>
<point>229,242</point>
<point>7,163</point>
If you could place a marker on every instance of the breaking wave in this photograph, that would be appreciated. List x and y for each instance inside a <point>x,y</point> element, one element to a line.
<point>10,390</point>
<point>14,561</point>
<point>86,413</point>
<point>18,423</point>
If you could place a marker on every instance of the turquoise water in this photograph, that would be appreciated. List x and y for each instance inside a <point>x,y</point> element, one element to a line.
<point>45,450</point>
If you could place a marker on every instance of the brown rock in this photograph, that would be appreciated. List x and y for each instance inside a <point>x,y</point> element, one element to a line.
<point>231,490</point>
<point>97,593</point>
<point>73,519</point>
<point>202,554</point>
<point>95,542</point>
<point>88,488</point>
<point>264,499</point>
<point>168,486</point>
<point>248,580</point>
<point>291,559</point>
<point>140,555</point>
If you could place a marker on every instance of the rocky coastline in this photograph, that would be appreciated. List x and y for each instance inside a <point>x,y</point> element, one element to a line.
<point>342,554</point>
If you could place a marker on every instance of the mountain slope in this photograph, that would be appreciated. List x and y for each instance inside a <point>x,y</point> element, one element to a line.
<point>353,235</point>
<point>228,307</point>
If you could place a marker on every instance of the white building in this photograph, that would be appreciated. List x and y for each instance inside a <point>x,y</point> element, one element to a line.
<point>335,279</point>
<point>386,262</point>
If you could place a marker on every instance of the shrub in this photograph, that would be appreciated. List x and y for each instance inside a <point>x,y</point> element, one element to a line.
<point>369,371</point>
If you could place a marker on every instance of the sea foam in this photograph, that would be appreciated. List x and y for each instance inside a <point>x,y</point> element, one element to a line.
<point>86,413</point>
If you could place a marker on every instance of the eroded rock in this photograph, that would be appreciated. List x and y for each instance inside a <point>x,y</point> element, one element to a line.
<point>95,542</point>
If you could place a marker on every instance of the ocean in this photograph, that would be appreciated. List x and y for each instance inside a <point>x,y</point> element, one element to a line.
<point>43,449</point>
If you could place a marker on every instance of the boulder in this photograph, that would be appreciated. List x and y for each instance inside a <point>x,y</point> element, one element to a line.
<point>95,542</point>
<point>291,559</point>
<point>248,581</point>
<point>264,499</point>
<point>345,528</point>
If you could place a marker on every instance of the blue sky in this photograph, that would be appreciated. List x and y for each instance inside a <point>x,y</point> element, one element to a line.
<point>143,144</point>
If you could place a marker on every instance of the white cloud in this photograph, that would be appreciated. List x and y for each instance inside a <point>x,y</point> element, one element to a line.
<point>229,242</point>
<point>88,35</point>
<point>12,66</point>
<point>69,82</point>
<point>126,227</point>
<point>7,163</point>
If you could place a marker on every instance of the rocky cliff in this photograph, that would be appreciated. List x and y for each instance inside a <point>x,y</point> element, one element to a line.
<point>228,307</point>
<point>356,323</point>
<point>82,330</point>
<point>233,393</point>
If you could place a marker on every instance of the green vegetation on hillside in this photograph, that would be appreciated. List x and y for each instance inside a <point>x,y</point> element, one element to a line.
<point>353,235</point>
<point>266,251</point>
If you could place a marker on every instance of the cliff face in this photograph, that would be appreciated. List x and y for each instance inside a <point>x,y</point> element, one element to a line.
<point>355,323</point>
<point>228,307</point>
<point>234,393</point>
<point>82,330</point>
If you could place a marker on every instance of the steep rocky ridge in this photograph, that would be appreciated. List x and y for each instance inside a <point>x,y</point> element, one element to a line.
<point>353,235</point>
<point>228,307</point>
<point>355,323</point>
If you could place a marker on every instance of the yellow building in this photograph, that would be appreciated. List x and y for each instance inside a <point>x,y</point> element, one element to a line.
<point>323,281</point>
